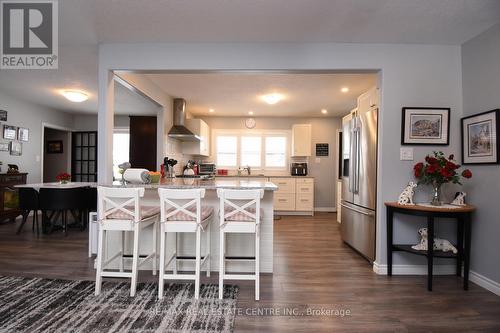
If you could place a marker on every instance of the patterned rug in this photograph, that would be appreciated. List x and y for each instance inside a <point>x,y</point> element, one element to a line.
<point>42,305</point>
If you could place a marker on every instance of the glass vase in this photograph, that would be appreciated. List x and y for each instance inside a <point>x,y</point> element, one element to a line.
<point>436,194</point>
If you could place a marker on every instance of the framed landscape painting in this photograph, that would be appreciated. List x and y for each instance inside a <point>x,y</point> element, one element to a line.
<point>480,138</point>
<point>425,126</point>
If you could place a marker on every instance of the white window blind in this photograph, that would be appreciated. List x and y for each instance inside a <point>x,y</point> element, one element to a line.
<point>227,151</point>
<point>251,151</point>
<point>275,152</point>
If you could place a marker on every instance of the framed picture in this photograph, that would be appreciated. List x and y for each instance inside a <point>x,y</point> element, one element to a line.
<point>16,148</point>
<point>9,132</point>
<point>480,138</point>
<point>23,134</point>
<point>425,126</point>
<point>55,147</point>
<point>4,146</point>
<point>3,115</point>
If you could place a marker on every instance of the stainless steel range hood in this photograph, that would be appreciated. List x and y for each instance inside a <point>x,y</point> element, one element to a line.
<point>179,130</point>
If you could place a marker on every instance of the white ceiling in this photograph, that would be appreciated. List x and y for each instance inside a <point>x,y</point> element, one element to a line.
<point>235,94</point>
<point>83,24</point>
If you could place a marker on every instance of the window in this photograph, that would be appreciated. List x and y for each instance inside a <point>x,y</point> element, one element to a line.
<point>227,151</point>
<point>275,152</point>
<point>121,143</point>
<point>250,151</point>
<point>258,149</point>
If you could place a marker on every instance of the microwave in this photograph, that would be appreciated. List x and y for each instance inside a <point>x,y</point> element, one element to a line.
<point>207,169</point>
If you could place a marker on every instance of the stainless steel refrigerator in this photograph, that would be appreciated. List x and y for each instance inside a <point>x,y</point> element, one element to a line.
<point>359,176</point>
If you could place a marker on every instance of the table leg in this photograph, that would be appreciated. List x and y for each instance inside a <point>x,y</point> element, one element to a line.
<point>390,223</point>
<point>460,244</point>
<point>467,232</point>
<point>430,250</point>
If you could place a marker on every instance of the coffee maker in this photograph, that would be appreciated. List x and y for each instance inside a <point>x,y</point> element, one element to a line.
<point>298,169</point>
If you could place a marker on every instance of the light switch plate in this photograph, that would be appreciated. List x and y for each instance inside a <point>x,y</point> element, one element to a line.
<point>37,158</point>
<point>317,160</point>
<point>406,154</point>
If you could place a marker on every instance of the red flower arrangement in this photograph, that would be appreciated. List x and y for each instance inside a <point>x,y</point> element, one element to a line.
<point>63,177</point>
<point>437,169</point>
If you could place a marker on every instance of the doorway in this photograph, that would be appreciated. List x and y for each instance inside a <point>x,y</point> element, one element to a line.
<point>56,153</point>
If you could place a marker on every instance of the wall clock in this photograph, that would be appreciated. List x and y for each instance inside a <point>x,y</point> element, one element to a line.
<point>250,123</point>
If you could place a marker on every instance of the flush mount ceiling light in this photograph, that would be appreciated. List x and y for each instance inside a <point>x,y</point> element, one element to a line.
<point>272,98</point>
<point>324,111</point>
<point>250,113</point>
<point>211,110</point>
<point>75,96</point>
<point>344,89</point>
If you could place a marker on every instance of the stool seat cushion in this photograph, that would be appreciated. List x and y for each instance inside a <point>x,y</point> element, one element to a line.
<point>206,212</point>
<point>241,217</point>
<point>145,212</point>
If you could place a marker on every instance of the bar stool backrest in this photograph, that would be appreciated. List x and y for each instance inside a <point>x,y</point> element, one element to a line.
<point>177,202</point>
<point>124,201</point>
<point>244,203</point>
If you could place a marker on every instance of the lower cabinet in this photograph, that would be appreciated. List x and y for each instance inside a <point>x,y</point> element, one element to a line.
<point>294,195</point>
<point>284,201</point>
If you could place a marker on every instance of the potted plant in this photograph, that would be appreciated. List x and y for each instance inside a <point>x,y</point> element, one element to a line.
<point>437,170</point>
<point>63,178</point>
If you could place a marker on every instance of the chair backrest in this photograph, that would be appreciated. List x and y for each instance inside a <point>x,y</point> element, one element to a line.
<point>245,203</point>
<point>28,198</point>
<point>61,199</point>
<point>91,199</point>
<point>180,202</point>
<point>119,201</point>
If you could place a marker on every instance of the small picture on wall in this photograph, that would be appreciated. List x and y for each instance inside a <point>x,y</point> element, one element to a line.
<point>4,146</point>
<point>425,126</point>
<point>16,148</point>
<point>480,138</point>
<point>3,115</point>
<point>23,134</point>
<point>55,147</point>
<point>9,132</point>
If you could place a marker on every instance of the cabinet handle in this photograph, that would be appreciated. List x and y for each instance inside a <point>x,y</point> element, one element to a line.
<point>282,200</point>
<point>303,200</point>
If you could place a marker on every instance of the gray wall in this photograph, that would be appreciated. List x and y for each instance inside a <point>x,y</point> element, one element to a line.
<point>53,164</point>
<point>481,92</point>
<point>88,122</point>
<point>31,116</point>
<point>324,130</point>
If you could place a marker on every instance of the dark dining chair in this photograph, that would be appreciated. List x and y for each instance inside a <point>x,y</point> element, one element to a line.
<point>89,204</point>
<point>59,202</point>
<point>29,201</point>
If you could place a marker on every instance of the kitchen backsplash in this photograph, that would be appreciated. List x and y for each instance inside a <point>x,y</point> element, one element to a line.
<point>173,150</point>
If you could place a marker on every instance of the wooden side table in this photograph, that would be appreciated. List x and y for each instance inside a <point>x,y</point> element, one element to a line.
<point>463,217</point>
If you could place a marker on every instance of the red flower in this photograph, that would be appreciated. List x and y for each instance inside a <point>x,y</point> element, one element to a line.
<point>433,168</point>
<point>431,160</point>
<point>446,173</point>
<point>451,166</point>
<point>467,173</point>
<point>63,176</point>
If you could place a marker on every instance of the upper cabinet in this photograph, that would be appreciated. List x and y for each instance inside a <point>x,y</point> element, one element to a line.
<point>200,128</point>
<point>301,140</point>
<point>369,99</point>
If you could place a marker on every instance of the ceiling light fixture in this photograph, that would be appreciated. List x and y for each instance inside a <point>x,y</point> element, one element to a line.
<point>250,113</point>
<point>272,98</point>
<point>211,110</point>
<point>75,96</point>
<point>324,111</point>
<point>344,89</point>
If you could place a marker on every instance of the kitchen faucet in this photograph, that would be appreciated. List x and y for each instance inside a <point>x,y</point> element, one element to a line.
<point>247,168</point>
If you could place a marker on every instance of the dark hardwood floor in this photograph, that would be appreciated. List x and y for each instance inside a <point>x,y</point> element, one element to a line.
<point>313,269</point>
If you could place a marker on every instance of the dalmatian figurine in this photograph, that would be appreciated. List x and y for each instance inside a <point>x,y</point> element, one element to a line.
<point>459,199</point>
<point>406,197</point>
<point>439,244</point>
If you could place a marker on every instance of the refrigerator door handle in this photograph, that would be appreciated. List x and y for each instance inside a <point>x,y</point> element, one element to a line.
<point>357,210</point>
<point>351,162</point>
<point>358,153</point>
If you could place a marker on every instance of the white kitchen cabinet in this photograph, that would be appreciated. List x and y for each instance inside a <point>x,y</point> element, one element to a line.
<point>301,140</point>
<point>294,195</point>
<point>200,128</point>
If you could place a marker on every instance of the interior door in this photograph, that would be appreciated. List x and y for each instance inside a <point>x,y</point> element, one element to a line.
<point>143,142</point>
<point>84,157</point>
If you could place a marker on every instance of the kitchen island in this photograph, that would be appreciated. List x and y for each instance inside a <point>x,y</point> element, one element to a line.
<point>238,245</point>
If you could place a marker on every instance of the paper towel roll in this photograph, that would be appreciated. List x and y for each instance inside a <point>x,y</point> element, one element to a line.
<point>137,176</point>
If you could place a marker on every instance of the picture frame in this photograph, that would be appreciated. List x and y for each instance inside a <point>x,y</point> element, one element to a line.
<point>55,147</point>
<point>9,132</point>
<point>425,126</point>
<point>16,148</point>
<point>3,115</point>
<point>23,134</point>
<point>480,138</point>
<point>4,146</point>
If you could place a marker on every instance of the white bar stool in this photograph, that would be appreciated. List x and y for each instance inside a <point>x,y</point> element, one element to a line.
<point>239,212</point>
<point>119,209</point>
<point>182,212</point>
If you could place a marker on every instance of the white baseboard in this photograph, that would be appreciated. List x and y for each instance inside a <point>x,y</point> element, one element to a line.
<point>325,209</point>
<point>475,277</point>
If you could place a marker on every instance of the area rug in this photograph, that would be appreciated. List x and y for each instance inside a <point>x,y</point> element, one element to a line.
<point>42,305</point>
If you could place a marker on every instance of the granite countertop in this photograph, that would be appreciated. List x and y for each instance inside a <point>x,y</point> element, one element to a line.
<point>211,184</point>
<point>262,176</point>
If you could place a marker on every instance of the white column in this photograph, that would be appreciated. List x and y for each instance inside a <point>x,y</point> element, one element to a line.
<point>105,126</point>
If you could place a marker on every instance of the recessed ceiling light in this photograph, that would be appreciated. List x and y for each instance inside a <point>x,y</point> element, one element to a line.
<point>272,98</point>
<point>250,112</point>
<point>211,110</point>
<point>324,111</point>
<point>344,89</point>
<point>75,96</point>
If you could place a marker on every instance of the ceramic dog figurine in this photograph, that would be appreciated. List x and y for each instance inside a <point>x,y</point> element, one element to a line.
<point>439,244</point>
<point>406,197</point>
<point>459,199</point>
